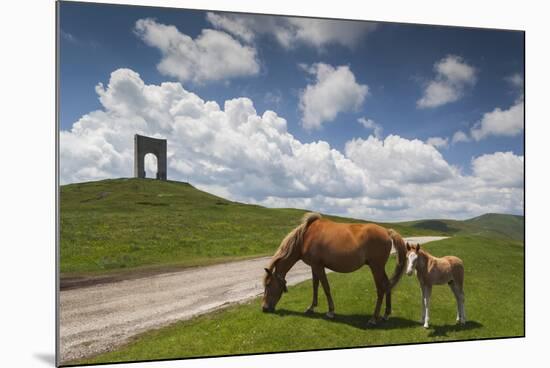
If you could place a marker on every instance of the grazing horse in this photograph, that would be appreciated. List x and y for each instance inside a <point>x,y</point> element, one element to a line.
<point>339,247</point>
<point>430,271</point>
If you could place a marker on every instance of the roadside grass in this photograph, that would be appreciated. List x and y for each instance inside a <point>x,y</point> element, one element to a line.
<point>128,225</point>
<point>494,288</point>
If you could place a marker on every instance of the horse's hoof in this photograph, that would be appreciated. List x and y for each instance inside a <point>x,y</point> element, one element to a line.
<point>372,322</point>
<point>426,325</point>
<point>330,315</point>
<point>386,317</point>
<point>309,311</point>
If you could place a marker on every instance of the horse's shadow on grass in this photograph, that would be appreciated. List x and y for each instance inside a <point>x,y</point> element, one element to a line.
<point>359,321</point>
<point>442,331</point>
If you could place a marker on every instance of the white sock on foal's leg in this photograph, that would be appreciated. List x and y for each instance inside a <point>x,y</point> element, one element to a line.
<point>427,295</point>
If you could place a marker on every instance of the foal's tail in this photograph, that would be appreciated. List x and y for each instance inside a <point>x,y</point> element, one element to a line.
<point>401,249</point>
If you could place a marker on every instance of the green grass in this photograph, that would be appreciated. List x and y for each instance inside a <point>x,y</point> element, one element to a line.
<point>125,225</point>
<point>494,307</point>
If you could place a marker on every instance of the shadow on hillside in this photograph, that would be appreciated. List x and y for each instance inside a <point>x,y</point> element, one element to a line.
<point>442,331</point>
<point>359,321</point>
<point>436,225</point>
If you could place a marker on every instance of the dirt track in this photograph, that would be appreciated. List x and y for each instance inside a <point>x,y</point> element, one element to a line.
<point>98,318</point>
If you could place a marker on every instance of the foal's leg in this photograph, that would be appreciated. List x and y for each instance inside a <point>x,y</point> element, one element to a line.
<point>320,271</point>
<point>427,295</point>
<point>455,291</point>
<point>315,280</point>
<point>423,307</point>
<point>461,304</point>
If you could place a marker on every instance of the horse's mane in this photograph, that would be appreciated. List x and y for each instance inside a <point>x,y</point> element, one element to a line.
<point>292,239</point>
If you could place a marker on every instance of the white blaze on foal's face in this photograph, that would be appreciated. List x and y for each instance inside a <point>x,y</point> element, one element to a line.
<point>411,262</point>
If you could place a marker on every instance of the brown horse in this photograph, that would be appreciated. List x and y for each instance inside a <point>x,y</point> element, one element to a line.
<point>430,271</point>
<point>321,243</point>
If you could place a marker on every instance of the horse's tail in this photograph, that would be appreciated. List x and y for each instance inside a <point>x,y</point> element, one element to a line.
<point>294,238</point>
<point>401,250</point>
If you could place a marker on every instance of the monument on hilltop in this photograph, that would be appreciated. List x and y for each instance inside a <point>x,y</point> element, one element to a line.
<point>144,145</point>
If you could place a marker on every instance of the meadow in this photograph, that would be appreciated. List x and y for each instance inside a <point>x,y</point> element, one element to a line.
<point>494,290</point>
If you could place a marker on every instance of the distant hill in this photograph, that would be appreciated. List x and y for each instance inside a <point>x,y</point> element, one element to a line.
<point>118,224</point>
<point>511,226</point>
<point>490,224</point>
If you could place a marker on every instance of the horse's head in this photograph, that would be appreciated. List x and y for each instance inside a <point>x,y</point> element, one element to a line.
<point>274,286</point>
<point>412,257</point>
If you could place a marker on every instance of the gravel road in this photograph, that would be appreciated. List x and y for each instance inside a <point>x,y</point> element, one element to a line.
<point>99,318</point>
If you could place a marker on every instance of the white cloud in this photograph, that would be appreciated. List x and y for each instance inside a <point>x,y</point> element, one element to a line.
<point>453,75</point>
<point>399,159</point>
<point>515,80</point>
<point>460,136</point>
<point>233,147</point>
<point>335,90</point>
<point>290,32</point>
<point>242,155</point>
<point>500,168</point>
<point>371,124</point>
<point>438,142</point>
<point>500,122</point>
<point>212,56</point>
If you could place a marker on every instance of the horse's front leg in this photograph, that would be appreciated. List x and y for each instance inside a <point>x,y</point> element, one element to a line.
<point>315,281</point>
<point>320,271</point>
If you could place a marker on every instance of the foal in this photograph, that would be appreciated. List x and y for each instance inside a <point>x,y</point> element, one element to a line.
<point>430,271</point>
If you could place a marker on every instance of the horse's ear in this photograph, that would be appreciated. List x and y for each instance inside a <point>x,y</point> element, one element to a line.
<point>408,246</point>
<point>417,247</point>
<point>268,271</point>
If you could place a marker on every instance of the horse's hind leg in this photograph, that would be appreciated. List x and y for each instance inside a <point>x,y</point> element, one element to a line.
<point>315,280</point>
<point>382,284</point>
<point>388,296</point>
<point>320,271</point>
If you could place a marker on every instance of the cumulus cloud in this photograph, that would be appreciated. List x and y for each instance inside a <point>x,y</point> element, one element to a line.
<point>212,56</point>
<point>399,159</point>
<point>460,136</point>
<point>235,152</point>
<point>334,90</point>
<point>233,147</point>
<point>500,122</point>
<point>290,32</point>
<point>452,76</point>
<point>372,125</point>
<point>438,142</point>
<point>503,169</point>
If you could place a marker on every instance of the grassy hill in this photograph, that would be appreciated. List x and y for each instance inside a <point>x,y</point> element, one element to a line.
<point>110,226</point>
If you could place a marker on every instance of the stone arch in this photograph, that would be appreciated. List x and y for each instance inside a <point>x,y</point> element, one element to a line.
<point>144,145</point>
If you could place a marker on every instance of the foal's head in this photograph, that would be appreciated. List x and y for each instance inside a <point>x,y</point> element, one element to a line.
<point>274,286</point>
<point>412,257</point>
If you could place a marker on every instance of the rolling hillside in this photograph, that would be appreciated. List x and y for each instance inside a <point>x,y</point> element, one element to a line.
<point>128,224</point>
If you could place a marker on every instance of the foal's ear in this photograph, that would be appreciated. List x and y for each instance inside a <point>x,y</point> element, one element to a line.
<point>417,247</point>
<point>408,246</point>
<point>268,271</point>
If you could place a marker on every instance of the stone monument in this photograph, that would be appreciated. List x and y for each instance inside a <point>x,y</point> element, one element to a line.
<point>144,145</point>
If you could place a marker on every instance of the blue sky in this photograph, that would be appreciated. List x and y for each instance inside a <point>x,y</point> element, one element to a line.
<point>413,82</point>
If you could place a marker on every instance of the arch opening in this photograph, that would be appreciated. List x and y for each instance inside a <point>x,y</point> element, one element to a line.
<point>151,165</point>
